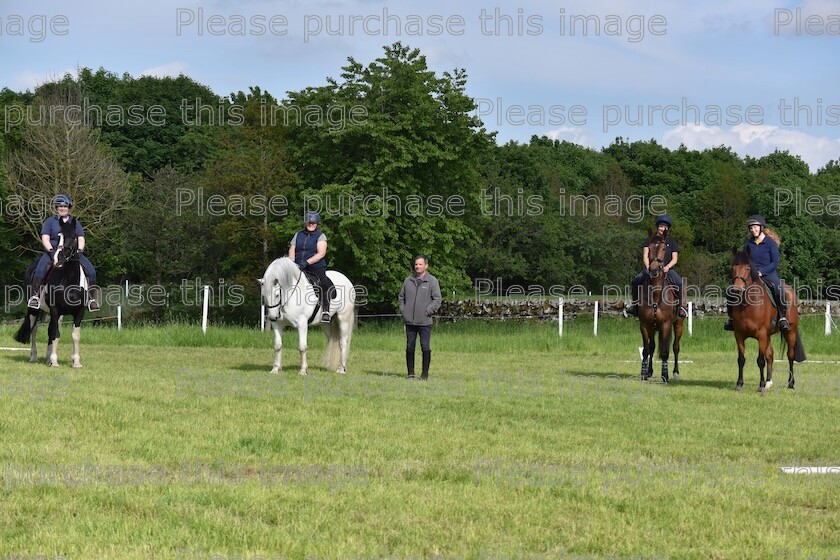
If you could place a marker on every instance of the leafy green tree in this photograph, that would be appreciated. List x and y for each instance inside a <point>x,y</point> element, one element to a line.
<point>414,138</point>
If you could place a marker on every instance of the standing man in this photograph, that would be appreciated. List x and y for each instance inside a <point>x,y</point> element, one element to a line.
<point>419,300</point>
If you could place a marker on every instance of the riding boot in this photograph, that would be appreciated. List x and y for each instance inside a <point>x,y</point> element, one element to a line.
<point>427,359</point>
<point>409,364</point>
<point>682,311</point>
<point>728,326</point>
<point>783,322</point>
<point>633,310</point>
<point>93,298</point>
<point>35,299</point>
<point>325,306</point>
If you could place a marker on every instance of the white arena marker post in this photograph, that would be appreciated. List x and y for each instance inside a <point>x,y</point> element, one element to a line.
<point>262,316</point>
<point>204,312</point>
<point>596,318</point>
<point>119,317</point>
<point>690,318</point>
<point>560,317</point>
<point>827,318</point>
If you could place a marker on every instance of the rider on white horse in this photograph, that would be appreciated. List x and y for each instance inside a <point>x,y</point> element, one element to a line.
<point>308,250</point>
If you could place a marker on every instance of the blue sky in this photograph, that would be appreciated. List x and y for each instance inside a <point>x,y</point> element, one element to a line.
<point>714,55</point>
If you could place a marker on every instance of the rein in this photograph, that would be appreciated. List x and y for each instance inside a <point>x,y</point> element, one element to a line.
<point>280,303</point>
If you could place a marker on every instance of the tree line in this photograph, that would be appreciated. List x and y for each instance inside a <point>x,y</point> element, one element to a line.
<point>175,182</point>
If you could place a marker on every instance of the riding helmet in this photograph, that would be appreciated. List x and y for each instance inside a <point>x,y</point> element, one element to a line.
<point>664,219</point>
<point>313,217</point>
<point>756,220</point>
<point>63,199</point>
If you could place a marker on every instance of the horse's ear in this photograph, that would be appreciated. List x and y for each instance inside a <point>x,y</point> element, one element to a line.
<point>261,281</point>
<point>734,250</point>
<point>650,234</point>
<point>747,251</point>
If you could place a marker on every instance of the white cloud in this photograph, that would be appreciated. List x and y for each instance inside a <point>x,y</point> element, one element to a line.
<point>756,141</point>
<point>29,80</point>
<point>172,70</point>
<point>578,136</point>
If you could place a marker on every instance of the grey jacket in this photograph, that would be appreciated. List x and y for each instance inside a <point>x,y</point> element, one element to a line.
<point>419,299</point>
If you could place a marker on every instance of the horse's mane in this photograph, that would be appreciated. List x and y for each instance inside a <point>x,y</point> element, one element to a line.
<point>743,257</point>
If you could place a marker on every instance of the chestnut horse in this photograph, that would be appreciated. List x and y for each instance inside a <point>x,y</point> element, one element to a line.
<point>754,316</point>
<point>658,312</point>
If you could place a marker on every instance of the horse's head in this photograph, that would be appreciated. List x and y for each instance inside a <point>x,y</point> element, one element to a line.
<point>68,245</point>
<point>742,271</point>
<point>656,255</point>
<point>280,278</point>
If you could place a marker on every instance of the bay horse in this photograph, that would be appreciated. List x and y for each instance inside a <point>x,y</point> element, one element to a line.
<point>64,293</point>
<point>290,299</point>
<point>658,312</point>
<point>753,316</point>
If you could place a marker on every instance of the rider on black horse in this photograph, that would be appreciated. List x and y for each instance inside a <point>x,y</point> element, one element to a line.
<point>764,257</point>
<point>49,240</point>
<point>308,249</point>
<point>663,229</point>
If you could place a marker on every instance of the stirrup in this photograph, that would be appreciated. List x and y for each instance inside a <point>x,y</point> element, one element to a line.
<point>633,310</point>
<point>93,306</point>
<point>783,324</point>
<point>682,312</point>
<point>34,302</point>
<point>325,317</point>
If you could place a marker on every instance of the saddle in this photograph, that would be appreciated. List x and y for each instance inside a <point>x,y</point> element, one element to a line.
<point>316,283</point>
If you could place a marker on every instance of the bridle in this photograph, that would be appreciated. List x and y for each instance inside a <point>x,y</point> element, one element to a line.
<point>280,303</point>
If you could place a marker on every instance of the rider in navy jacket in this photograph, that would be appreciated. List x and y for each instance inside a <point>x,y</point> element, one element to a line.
<point>49,240</point>
<point>308,249</point>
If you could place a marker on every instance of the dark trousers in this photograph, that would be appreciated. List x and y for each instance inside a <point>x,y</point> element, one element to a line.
<point>327,287</point>
<point>673,277</point>
<point>411,332</point>
<point>44,265</point>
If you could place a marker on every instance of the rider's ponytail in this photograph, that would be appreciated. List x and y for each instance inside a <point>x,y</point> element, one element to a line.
<point>773,235</point>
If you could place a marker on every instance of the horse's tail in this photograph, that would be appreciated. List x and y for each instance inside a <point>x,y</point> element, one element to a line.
<point>798,349</point>
<point>25,330</point>
<point>332,357</point>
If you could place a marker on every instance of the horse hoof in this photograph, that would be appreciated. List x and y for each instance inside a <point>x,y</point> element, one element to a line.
<point>739,388</point>
<point>769,384</point>
<point>275,370</point>
<point>55,364</point>
<point>676,376</point>
<point>790,385</point>
<point>78,366</point>
<point>762,390</point>
<point>341,371</point>
<point>302,372</point>
<point>33,360</point>
<point>664,380</point>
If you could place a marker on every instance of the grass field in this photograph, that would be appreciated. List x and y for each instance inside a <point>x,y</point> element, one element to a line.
<point>171,444</point>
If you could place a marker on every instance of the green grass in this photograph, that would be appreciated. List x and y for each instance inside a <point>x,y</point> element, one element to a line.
<point>522,445</point>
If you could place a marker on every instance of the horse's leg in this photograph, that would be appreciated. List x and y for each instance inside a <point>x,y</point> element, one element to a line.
<point>739,339</point>
<point>345,327</point>
<point>76,336</point>
<point>33,353</point>
<point>52,336</point>
<point>278,347</point>
<point>678,330</point>
<point>664,348</point>
<point>762,337</point>
<point>769,382</point>
<point>791,336</point>
<point>303,331</point>
<point>645,335</point>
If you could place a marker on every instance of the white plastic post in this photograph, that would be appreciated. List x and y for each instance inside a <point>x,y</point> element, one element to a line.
<point>204,313</point>
<point>119,317</point>
<point>560,318</point>
<point>126,288</point>
<point>262,316</point>
<point>827,318</point>
<point>690,318</point>
<point>596,317</point>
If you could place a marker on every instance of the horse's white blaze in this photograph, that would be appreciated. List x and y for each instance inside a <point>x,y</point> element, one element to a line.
<point>290,300</point>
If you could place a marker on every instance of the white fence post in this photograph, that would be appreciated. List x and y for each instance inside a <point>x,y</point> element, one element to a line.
<point>690,318</point>
<point>827,318</point>
<point>596,318</point>
<point>119,317</point>
<point>560,317</point>
<point>262,317</point>
<point>204,312</point>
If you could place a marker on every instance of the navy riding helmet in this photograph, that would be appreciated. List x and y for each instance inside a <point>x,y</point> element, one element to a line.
<point>664,219</point>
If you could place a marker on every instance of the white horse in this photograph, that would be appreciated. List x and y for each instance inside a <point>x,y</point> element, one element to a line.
<point>290,299</point>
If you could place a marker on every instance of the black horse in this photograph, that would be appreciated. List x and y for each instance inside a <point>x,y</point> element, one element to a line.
<point>64,293</point>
